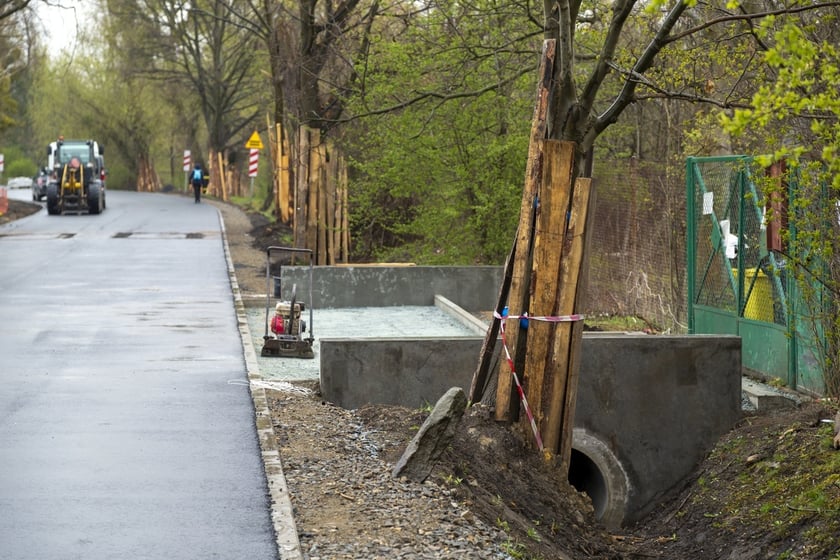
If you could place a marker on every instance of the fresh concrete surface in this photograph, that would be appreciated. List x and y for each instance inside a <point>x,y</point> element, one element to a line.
<point>764,397</point>
<point>352,323</point>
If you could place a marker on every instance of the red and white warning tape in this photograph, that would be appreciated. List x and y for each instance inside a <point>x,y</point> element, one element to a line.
<point>548,319</point>
<point>555,319</point>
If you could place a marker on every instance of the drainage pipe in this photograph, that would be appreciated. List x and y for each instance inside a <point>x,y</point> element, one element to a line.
<point>595,470</point>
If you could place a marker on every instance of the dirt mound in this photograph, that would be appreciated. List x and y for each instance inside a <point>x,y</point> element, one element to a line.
<point>504,482</point>
<point>18,209</point>
<point>769,489</point>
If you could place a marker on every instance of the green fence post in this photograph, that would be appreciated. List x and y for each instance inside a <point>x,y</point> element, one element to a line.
<point>691,234</point>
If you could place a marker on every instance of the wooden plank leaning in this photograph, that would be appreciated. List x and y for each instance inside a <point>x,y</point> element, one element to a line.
<point>506,406</point>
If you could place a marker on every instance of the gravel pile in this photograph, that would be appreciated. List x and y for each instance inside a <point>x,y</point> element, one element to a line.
<point>348,506</point>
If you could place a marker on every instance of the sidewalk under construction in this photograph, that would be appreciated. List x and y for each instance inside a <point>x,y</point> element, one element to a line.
<point>649,407</point>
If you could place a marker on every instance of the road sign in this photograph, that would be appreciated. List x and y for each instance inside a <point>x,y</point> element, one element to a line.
<point>254,142</point>
<point>187,160</point>
<point>2,163</point>
<point>253,161</point>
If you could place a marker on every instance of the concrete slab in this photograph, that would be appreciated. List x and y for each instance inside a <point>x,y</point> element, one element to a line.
<point>764,397</point>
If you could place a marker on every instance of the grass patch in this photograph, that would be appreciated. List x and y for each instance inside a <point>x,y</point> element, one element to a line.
<point>622,323</point>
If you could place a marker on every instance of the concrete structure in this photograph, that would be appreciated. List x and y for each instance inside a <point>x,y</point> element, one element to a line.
<point>649,407</point>
<point>473,288</point>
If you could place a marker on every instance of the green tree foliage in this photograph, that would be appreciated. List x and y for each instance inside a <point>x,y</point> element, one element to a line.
<point>72,97</point>
<point>18,163</point>
<point>15,30</point>
<point>444,157</point>
<point>797,116</point>
<point>201,61</point>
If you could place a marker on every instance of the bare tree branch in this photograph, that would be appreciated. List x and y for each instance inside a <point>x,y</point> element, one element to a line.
<point>749,18</point>
<point>643,63</point>
<point>442,97</point>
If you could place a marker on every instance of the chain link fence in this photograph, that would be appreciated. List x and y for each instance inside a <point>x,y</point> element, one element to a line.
<point>637,245</point>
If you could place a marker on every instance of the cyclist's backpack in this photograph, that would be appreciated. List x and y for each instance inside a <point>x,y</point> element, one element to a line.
<point>196,175</point>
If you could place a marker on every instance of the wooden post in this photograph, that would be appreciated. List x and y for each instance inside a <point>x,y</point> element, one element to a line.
<point>336,214</point>
<point>479,380</point>
<point>213,187</point>
<point>221,174</point>
<point>321,222</point>
<point>506,406</point>
<point>313,186</point>
<point>329,214</point>
<point>286,199</point>
<point>549,234</point>
<point>568,339</point>
<point>301,189</point>
<point>276,162</point>
<point>562,372</point>
<point>345,216</point>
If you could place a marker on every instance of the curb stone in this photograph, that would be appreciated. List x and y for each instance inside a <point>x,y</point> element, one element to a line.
<point>283,520</point>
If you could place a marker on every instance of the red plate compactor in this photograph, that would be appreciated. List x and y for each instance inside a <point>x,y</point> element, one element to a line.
<point>284,326</point>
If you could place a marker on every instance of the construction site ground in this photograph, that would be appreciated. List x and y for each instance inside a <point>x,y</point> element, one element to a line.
<point>769,489</point>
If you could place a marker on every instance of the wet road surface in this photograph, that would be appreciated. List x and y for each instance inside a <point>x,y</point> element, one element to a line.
<point>121,433</point>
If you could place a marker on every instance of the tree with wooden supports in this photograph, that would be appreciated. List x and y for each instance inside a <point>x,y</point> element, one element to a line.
<point>542,287</point>
<point>304,46</point>
<point>544,273</point>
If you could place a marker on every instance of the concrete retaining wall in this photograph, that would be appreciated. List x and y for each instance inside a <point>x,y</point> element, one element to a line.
<point>474,288</point>
<point>411,372</point>
<point>649,407</point>
<point>659,403</point>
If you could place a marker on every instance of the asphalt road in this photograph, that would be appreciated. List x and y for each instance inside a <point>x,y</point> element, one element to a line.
<point>121,434</point>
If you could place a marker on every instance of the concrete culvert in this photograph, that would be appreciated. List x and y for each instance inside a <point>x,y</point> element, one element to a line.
<point>595,470</point>
<point>585,476</point>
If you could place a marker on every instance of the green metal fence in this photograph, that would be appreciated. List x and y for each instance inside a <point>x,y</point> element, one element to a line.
<point>736,284</point>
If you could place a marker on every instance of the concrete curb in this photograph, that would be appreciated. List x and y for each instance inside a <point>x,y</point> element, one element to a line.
<point>285,530</point>
<point>470,321</point>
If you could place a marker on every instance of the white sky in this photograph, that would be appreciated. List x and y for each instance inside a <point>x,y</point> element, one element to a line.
<point>62,20</point>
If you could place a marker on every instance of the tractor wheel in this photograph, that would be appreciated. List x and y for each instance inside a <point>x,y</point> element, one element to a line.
<point>53,204</point>
<point>94,199</point>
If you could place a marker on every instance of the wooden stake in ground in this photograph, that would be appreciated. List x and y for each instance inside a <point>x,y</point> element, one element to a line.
<point>479,380</point>
<point>301,188</point>
<point>313,186</point>
<point>507,406</point>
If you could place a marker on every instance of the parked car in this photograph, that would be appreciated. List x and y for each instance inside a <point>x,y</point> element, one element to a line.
<point>39,185</point>
<point>18,183</point>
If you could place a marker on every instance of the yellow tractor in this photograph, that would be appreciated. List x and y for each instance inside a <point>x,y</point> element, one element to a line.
<point>77,177</point>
